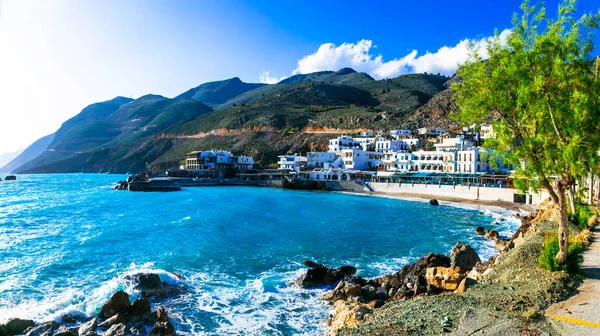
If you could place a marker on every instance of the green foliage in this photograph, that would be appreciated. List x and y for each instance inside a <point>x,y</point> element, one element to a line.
<point>284,132</point>
<point>547,259</point>
<point>539,87</point>
<point>581,216</point>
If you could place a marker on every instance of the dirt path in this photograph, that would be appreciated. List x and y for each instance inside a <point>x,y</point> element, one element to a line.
<point>579,315</point>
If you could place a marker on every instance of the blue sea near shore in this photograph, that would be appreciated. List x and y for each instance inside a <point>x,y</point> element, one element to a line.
<point>67,242</point>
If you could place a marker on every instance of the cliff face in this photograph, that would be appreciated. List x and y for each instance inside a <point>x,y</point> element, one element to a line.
<point>123,135</point>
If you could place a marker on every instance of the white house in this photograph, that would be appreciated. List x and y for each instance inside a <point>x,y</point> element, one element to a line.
<point>358,159</point>
<point>343,142</point>
<point>391,146</point>
<point>366,143</point>
<point>400,134</point>
<point>366,134</point>
<point>427,131</point>
<point>320,159</point>
<point>412,141</point>
<point>292,162</point>
<point>458,143</point>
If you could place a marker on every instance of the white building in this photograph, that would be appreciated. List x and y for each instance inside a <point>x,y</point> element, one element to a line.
<point>400,134</point>
<point>366,143</point>
<point>358,159</point>
<point>215,162</point>
<point>432,132</point>
<point>458,143</point>
<point>412,141</point>
<point>292,162</point>
<point>391,146</point>
<point>320,159</point>
<point>343,142</point>
<point>366,134</point>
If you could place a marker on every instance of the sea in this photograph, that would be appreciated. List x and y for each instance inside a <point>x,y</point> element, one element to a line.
<point>67,241</point>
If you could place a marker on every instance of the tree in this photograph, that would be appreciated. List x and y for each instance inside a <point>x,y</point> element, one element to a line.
<point>540,89</point>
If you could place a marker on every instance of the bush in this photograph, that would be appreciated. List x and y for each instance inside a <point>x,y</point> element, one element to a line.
<point>582,215</point>
<point>547,259</point>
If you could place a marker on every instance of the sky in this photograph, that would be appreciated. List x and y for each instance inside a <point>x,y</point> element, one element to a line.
<point>58,56</point>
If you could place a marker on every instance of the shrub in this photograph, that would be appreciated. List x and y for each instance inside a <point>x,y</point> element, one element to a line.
<point>547,259</point>
<point>582,215</point>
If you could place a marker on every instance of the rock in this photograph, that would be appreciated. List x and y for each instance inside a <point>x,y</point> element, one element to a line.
<point>433,202</point>
<point>161,315</point>
<point>10,178</point>
<point>116,330</point>
<point>63,330</point>
<point>67,318</point>
<point>312,264</point>
<point>17,326</point>
<point>500,244</point>
<point>162,329</point>
<point>118,303</point>
<point>139,308</point>
<point>44,329</point>
<point>88,327</point>
<point>115,319</point>
<point>321,275</point>
<point>342,291</point>
<point>480,230</point>
<point>348,314</point>
<point>446,278</point>
<point>368,292</point>
<point>464,257</point>
<point>150,285</point>
<point>492,234</point>
<point>464,284</point>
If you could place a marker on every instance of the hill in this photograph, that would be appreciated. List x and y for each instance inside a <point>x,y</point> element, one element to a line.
<point>215,93</point>
<point>296,115</point>
<point>8,157</point>
<point>102,133</point>
<point>30,153</point>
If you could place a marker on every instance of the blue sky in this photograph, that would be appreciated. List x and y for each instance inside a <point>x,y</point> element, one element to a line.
<point>61,55</point>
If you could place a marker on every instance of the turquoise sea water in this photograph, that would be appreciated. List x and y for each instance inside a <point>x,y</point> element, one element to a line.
<point>67,241</point>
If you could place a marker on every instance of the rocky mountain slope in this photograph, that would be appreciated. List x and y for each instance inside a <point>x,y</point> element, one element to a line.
<point>296,115</point>
<point>32,152</point>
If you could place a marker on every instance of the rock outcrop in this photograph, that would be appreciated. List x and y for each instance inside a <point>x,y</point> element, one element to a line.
<point>321,275</point>
<point>118,303</point>
<point>464,257</point>
<point>150,285</point>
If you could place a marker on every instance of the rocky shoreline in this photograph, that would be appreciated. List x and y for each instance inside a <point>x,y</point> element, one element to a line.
<point>458,294</point>
<point>119,316</point>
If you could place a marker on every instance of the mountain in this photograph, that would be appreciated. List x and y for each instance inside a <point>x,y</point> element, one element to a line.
<point>7,157</point>
<point>33,151</point>
<point>215,93</point>
<point>102,134</point>
<point>297,115</point>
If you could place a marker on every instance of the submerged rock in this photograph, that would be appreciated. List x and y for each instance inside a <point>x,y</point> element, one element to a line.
<point>118,303</point>
<point>480,230</point>
<point>150,285</point>
<point>464,257</point>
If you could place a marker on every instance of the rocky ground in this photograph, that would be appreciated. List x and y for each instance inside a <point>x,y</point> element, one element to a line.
<point>119,316</point>
<point>459,295</point>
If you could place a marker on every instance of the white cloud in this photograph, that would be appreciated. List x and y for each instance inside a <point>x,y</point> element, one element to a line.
<point>265,77</point>
<point>358,56</point>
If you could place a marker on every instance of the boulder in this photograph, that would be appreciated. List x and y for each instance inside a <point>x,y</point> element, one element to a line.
<point>88,327</point>
<point>115,319</point>
<point>44,329</point>
<point>150,285</point>
<point>116,330</point>
<point>464,284</point>
<point>321,275</point>
<point>368,292</point>
<point>63,330</point>
<point>480,230</point>
<point>139,308</point>
<point>118,303</point>
<point>434,202</point>
<point>492,234</point>
<point>464,257</point>
<point>348,314</point>
<point>445,278</point>
<point>17,326</point>
<point>162,329</point>
<point>67,318</point>
<point>342,291</point>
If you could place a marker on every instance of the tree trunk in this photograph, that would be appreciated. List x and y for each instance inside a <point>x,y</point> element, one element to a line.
<point>563,226</point>
<point>571,189</point>
<point>591,189</point>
